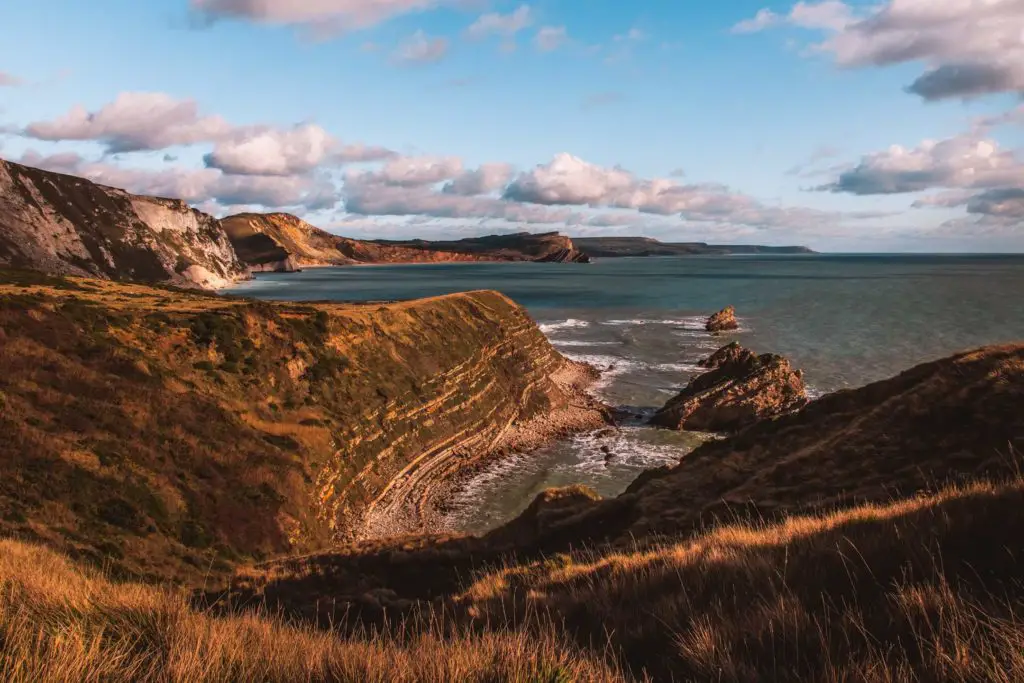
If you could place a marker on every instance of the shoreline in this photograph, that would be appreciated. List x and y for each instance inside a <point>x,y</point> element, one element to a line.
<point>417,500</point>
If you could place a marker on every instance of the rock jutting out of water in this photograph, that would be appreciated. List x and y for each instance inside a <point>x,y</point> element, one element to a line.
<point>723,321</point>
<point>740,389</point>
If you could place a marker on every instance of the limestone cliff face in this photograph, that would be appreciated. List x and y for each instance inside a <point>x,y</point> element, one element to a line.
<point>66,225</point>
<point>163,429</point>
<point>282,242</point>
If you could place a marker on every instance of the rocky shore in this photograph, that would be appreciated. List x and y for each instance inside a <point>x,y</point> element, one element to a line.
<point>417,500</point>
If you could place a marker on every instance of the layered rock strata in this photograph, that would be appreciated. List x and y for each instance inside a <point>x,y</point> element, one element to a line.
<point>155,427</point>
<point>723,321</point>
<point>739,389</point>
<point>65,225</point>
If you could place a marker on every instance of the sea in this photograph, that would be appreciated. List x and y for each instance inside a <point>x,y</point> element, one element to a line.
<point>846,320</point>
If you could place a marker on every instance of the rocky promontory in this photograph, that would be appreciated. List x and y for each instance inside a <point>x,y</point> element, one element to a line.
<point>66,225</point>
<point>723,321</point>
<point>280,242</point>
<point>739,389</point>
<point>152,426</point>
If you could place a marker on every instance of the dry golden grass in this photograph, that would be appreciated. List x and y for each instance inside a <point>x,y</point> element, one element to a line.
<point>60,623</point>
<point>924,589</point>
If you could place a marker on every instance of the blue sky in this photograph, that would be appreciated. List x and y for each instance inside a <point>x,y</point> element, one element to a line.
<point>743,121</point>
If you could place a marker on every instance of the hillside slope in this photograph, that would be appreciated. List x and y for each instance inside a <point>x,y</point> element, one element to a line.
<point>282,242</point>
<point>65,225</point>
<point>170,434</point>
<point>956,419</point>
<point>612,247</point>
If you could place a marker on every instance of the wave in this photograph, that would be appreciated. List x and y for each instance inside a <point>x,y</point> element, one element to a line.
<point>678,367</point>
<point>571,323</point>
<point>694,322</point>
<point>572,343</point>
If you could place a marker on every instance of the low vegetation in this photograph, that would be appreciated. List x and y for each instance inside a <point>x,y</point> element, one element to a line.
<point>175,435</point>
<point>60,623</point>
<point>162,448</point>
<point>925,589</point>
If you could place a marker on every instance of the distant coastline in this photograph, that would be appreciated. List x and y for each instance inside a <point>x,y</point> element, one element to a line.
<point>617,247</point>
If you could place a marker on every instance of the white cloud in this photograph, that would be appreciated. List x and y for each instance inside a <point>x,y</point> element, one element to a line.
<point>134,122</point>
<point>197,186</point>
<point>273,152</point>
<point>478,181</point>
<point>421,49</point>
<point>964,162</point>
<point>765,18</point>
<point>156,121</point>
<point>633,35</point>
<point>968,47</point>
<point>506,25</point>
<point>410,172</point>
<point>324,15</point>
<point>550,38</point>
<point>569,180</point>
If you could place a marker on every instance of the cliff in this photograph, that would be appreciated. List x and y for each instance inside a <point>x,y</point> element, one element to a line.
<point>613,247</point>
<point>282,242</point>
<point>951,422</point>
<point>169,433</point>
<point>66,225</point>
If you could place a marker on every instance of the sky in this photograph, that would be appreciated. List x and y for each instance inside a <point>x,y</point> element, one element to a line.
<point>844,126</point>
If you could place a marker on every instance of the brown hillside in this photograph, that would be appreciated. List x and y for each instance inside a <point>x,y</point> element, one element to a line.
<point>953,419</point>
<point>282,242</point>
<point>171,434</point>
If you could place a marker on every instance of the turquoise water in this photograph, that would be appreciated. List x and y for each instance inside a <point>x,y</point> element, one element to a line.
<point>845,319</point>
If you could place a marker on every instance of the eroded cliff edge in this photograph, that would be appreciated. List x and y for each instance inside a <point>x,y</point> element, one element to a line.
<point>66,225</point>
<point>173,433</point>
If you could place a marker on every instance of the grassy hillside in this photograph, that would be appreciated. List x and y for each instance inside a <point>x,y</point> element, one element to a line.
<point>926,589</point>
<point>226,452</point>
<point>173,435</point>
<point>59,622</point>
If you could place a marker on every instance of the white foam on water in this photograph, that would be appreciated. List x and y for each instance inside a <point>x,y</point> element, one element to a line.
<point>609,366</point>
<point>571,323</point>
<point>573,343</point>
<point>678,367</point>
<point>586,461</point>
<point>814,393</point>
<point>689,323</point>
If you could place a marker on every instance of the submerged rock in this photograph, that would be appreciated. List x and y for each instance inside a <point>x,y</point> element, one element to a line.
<point>723,321</point>
<point>740,389</point>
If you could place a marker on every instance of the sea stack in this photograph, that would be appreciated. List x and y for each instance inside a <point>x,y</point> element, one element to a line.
<point>723,321</point>
<point>740,389</point>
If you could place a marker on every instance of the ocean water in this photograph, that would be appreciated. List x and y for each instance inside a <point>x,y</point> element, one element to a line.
<point>846,320</point>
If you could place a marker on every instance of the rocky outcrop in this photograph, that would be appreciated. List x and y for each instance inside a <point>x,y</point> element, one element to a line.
<point>723,321</point>
<point>65,225</point>
<point>739,389</point>
<point>953,419</point>
<point>168,430</point>
<point>282,242</point>
<point>950,420</point>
